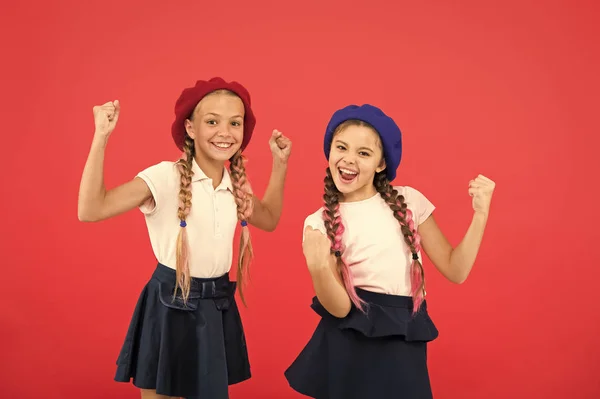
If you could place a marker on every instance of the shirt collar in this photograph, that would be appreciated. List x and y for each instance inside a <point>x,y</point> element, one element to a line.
<point>199,175</point>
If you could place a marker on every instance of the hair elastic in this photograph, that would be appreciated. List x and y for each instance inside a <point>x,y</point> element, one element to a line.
<point>183,223</point>
<point>244,223</point>
<point>338,254</point>
<point>415,256</point>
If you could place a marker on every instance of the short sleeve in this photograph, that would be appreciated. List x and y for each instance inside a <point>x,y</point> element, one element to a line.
<point>420,206</point>
<point>157,177</point>
<point>315,221</point>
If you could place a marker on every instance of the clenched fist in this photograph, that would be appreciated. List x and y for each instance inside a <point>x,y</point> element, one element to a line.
<point>317,249</point>
<point>281,146</point>
<point>106,117</point>
<point>481,189</point>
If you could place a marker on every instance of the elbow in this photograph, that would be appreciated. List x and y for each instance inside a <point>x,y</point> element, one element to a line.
<point>272,225</point>
<point>274,221</point>
<point>340,313</point>
<point>85,216</point>
<point>82,216</point>
<point>340,310</point>
<point>456,272</point>
<point>459,278</point>
<point>271,228</point>
<point>459,281</point>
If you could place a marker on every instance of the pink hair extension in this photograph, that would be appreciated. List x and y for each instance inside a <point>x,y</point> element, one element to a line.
<point>416,279</point>
<point>416,275</point>
<point>337,247</point>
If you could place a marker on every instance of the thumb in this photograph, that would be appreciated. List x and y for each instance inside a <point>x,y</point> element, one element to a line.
<point>312,230</point>
<point>281,142</point>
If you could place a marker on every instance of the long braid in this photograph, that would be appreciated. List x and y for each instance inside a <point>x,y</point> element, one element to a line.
<point>245,205</point>
<point>335,228</point>
<point>411,237</point>
<point>184,166</point>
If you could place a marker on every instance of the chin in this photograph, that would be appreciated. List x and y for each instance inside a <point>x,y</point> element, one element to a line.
<point>343,187</point>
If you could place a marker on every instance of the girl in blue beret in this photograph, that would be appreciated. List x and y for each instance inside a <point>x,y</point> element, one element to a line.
<point>363,251</point>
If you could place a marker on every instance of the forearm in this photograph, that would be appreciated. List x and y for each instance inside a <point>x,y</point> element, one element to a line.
<point>330,291</point>
<point>269,209</point>
<point>92,190</point>
<point>462,258</point>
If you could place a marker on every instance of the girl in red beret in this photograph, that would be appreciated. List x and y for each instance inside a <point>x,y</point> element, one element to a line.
<point>363,250</point>
<point>186,337</point>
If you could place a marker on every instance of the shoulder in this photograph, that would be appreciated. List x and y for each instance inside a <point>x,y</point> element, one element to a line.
<point>161,178</point>
<point>417,202</point>
<point>159,174</point>
<point>409,193</point>
<point>161,168</point>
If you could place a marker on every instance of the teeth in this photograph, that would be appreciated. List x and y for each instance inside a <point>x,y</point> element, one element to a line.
<point>223,145</point>
<point>348,172</point>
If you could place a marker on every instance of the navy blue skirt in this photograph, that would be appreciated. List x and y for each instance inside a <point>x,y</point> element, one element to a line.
<point>381,354</point>
<point>193,350</point>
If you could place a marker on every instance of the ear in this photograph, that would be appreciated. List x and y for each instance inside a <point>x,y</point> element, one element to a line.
<point>189,129</point>
<point>381,166</point>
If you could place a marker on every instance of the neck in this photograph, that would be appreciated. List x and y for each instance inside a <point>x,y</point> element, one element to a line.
<point>361,194</point>
<point>213,169</point>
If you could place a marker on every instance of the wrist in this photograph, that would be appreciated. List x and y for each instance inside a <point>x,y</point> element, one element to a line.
<point>100,140</point>
<point>318,274</point>
<point>279,164</point>
<point>318,269</point>
<point>480,216</point>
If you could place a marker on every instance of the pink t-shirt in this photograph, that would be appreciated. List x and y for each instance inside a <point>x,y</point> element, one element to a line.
<point>374,245</point>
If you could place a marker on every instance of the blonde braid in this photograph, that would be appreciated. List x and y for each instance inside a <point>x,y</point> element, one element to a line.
<point>184,166</point>
<point>244,201</point>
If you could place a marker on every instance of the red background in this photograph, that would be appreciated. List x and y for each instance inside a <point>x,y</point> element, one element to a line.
<point>506,89</point>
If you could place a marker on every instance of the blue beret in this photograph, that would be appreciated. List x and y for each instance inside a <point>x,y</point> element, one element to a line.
<point>389,132</point>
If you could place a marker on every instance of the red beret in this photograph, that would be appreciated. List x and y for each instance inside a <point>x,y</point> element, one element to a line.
<point>191,96</point>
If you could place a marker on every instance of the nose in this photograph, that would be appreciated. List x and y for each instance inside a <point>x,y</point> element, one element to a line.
<point>348,160</point>
<point>224,129</point>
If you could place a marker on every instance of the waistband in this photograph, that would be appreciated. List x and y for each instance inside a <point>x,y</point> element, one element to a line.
<point>215,287</point>
<point>396,301</point>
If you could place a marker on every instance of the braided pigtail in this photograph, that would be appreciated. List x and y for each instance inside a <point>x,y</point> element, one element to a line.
<point>411,237</point>
<point>184,166</point>
<point>335,228</point>
<point>245,205</point>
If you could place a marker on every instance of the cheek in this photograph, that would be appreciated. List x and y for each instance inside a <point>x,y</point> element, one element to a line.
<point>368,166</point>
<point>238,133</point>
<point>333,161</point>
<point>204,131</point>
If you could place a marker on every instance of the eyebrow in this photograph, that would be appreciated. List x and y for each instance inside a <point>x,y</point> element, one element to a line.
<point>361,148</point>
<point>215,114</point>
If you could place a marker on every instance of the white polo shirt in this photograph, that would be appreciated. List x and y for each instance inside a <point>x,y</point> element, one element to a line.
<point>210,225</point>
<point>375,249</point>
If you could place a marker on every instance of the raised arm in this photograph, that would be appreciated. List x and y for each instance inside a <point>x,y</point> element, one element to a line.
<point>95,202</point>
<point>456,263</point>
<point>267,210</point>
